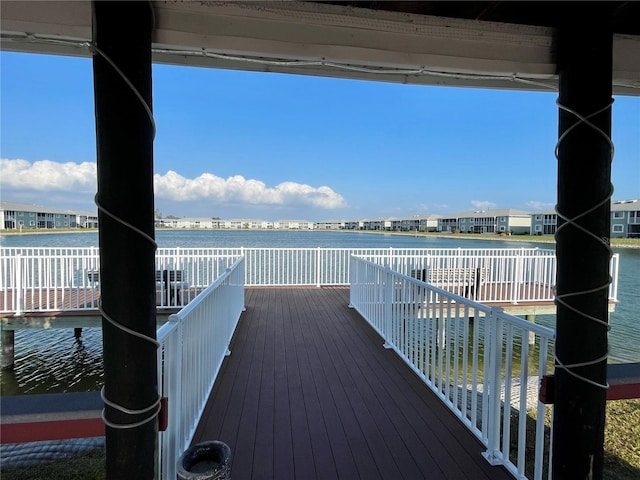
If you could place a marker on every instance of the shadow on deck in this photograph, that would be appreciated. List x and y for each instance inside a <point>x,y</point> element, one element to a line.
<point>309,392</point>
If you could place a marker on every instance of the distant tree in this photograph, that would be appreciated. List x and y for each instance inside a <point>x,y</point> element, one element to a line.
<point>157,214</point>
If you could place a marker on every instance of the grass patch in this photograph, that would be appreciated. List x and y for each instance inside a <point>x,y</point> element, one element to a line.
<point>621,451</point>
<point>622,440</point>
<point>615,242</point>
<point>89,465</point>
<point>621,444</point>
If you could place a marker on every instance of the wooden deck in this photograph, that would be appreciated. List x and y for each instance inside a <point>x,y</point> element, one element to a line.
<point>309,392</point>
<point>62,300</point>
<point>54,302</point>
<point>79,301</point>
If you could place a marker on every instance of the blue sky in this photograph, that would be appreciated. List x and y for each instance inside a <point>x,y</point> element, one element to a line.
<point>235,144</point>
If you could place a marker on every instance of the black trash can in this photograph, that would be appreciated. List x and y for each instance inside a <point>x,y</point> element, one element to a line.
<point>205,461</point>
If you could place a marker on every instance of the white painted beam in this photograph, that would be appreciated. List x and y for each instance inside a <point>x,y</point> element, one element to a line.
<point>335,41</point>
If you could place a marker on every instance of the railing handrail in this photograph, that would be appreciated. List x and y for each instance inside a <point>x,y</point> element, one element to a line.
<point>62,273</point>
<point>71,251</point>
<point>193,345</point>
<point>193,304</point>
<point>431,330</point>
<point>515,320</point>
<point>166,328</point>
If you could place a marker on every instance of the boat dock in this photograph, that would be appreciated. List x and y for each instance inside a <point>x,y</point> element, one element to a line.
<point>310,392</point>
<point>410,382</point>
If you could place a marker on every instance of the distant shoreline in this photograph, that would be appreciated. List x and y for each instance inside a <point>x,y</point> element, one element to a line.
<point>615,242</point>
<point>49,231</point>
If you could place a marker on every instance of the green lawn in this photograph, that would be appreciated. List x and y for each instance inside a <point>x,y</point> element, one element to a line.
<point>615,242</point>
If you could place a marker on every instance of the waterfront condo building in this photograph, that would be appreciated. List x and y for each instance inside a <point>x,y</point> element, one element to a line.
<point>16,216</point>
<point>507,220</point>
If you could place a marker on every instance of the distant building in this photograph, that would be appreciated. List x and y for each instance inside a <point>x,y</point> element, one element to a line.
<point>293,225</point>
<point>233,224</point>
<point>376,224</point>
<point>507,220</point>
<point>16,216</point>
<point>355,225</point>
<point>419,223</point>
<point>189,222</point>
<point>544,223</point>
<point>331,225</point>
<point>260,225</point>
<point>625,219</point>
<point>449,224</point>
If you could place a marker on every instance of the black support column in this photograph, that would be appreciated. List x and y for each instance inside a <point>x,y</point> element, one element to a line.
<point>124,129</point>
<point>584,185</point>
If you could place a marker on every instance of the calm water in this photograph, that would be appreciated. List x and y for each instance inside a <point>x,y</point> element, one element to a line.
<point>54,361</point>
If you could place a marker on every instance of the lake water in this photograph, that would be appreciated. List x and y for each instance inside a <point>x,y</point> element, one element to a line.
<point>52,361</point>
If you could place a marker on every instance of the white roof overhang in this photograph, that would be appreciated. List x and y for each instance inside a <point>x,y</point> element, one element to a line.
<point>326,40</point>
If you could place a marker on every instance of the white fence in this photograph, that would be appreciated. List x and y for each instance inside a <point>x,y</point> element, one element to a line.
<point>482,363</point>
<point>63,279</point>
<point>50,279</point>
<point>193,345</point>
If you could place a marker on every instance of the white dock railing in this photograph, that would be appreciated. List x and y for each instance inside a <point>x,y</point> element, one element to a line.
<point>59,279</point>
<point>193,344</point>
<point>482,363</point>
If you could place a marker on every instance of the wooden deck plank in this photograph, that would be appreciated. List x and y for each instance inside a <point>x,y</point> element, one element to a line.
<point>310,393</point>
<point>59,301</point>
<point>283,466</point>
<point>322,370</point>
<point>425,413</point>
<point>246,439</point>
<point>364,401</point>
<point>407,449</point>
<point>380,371</point>
<point>320,458</point>
<point>263,451</point>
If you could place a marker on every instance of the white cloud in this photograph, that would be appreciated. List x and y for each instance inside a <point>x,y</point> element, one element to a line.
<point>535,205</point>
<point>431,207</point>
<point>45,175</point>
<point>237,189</point>
<point>482,204</point>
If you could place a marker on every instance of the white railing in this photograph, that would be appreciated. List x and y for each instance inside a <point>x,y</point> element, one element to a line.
<point>482,363</point>
<point>330,266</point>
<point>50,279</point>
<point>63,279</point>
<point>193,344</point>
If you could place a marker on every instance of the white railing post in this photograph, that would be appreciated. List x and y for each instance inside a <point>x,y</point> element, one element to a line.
<point>171,381</point>
<point>19,287</point>
<point>388,306</point>
<point>64,267</point>
<point>515,282</point>
<point>354,286</point>
<point>177,386</point>
<point>246,270</point>
<point>494,322</point>
<point>318,267</point>
<point>614,268</point>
